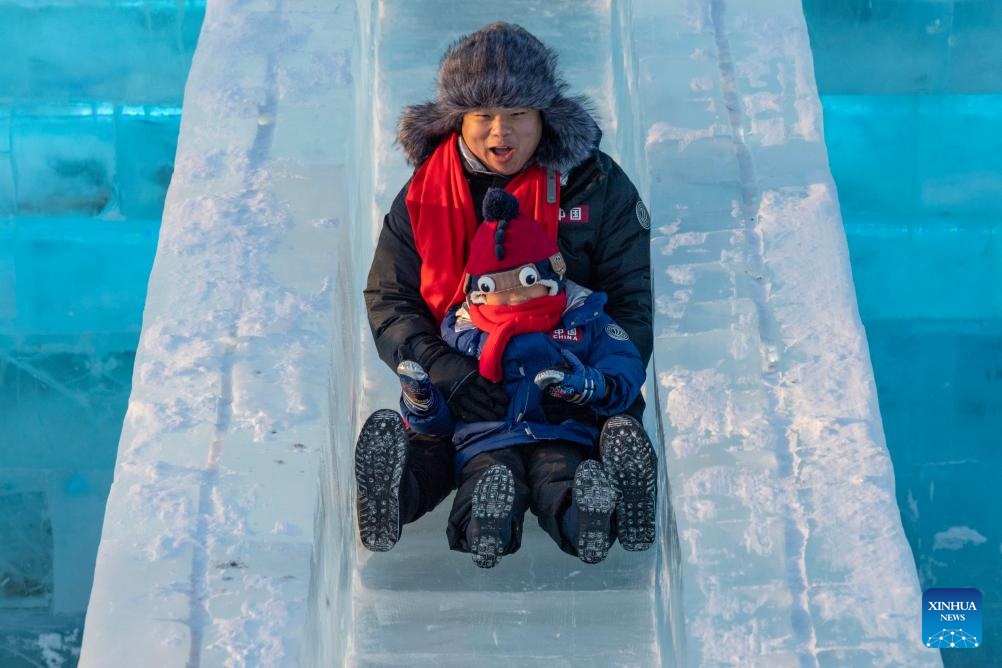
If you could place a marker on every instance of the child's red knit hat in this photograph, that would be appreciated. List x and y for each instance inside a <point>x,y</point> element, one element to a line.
<point>507,239</point>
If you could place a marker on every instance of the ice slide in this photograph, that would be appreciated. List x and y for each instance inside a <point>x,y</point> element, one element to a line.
<point>228,538</point>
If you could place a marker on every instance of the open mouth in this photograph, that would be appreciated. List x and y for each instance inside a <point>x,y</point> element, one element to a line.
<point>502,153</point>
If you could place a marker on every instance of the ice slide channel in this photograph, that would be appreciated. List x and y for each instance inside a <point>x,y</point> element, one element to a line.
<point>228,538</point>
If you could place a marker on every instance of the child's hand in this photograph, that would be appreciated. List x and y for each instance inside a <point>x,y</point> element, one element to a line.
<point>579,385</point>
<point>416,388</point>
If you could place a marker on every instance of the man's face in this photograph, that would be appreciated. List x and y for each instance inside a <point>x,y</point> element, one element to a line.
<point>503,138</point>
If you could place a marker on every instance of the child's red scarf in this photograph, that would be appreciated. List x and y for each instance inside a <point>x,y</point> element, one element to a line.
<point>503,322</point>
<point>444,223</point>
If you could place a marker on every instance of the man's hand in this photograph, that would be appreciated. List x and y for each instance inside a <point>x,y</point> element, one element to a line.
<point>470,396</point>
<point>578,384</point>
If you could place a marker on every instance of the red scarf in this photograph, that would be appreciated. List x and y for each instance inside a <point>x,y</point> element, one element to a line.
<point>503,322</point>
<point>444,223</point>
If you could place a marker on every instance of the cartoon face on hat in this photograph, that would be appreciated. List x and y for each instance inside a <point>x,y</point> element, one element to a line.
<point>511,258</point>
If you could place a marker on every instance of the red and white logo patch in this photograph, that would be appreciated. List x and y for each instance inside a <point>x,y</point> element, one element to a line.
<point>577,214</point>
<point>561,334</point>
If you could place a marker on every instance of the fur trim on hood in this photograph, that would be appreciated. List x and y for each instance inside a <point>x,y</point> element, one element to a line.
<point>502,65</point>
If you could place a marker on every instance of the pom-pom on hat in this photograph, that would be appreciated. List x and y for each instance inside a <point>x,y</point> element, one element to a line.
<point>508,239</point>
<point>500,205</point>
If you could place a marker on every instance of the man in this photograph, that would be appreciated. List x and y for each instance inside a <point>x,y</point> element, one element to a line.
<point>501,119</point>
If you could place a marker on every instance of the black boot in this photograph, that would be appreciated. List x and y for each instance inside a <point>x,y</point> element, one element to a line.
<point>380,454</point>
<point>490,524</point>
<point>595,498</point>
<point>629,458</point>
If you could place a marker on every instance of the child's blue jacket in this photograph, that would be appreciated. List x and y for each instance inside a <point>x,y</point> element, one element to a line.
<point>586,331</point>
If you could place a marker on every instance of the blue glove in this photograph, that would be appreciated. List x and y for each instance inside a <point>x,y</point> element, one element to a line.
<point>418,394</point>
<point>579,384</point>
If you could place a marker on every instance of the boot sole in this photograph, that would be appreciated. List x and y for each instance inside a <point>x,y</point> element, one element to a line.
<point>595,497</point>
<point>493,499</point>
<point>629,459</point>
<point>380,453</point>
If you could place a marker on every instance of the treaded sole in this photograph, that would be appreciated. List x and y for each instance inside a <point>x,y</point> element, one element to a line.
<point>493,499</point>
<point>628,457</point>
<point>595,497</point>
<point>380,454</point>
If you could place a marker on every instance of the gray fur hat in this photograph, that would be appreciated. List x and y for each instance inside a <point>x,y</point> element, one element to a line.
<point>502,65</point>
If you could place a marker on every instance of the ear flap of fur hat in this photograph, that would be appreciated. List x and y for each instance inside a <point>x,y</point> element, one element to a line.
<point>502,65</point>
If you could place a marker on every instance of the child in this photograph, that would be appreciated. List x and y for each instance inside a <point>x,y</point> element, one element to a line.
<point>534,332</point>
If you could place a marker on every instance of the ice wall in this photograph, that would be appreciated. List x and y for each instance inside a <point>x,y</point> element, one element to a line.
<point>792,541</point>
<point>212,525</point>
<point>90,106</point>
<point>228,538</point>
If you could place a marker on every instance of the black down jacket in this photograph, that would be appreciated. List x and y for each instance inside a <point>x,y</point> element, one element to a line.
<point>604,236</point>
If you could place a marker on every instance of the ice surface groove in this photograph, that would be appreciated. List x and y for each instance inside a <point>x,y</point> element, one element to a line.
<point>198,613</point>
<point>796,529</point>
<point>379,465</point>
<point>208,503</point>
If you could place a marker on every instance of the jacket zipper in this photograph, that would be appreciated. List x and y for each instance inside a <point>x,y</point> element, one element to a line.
<point>525,403</point>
